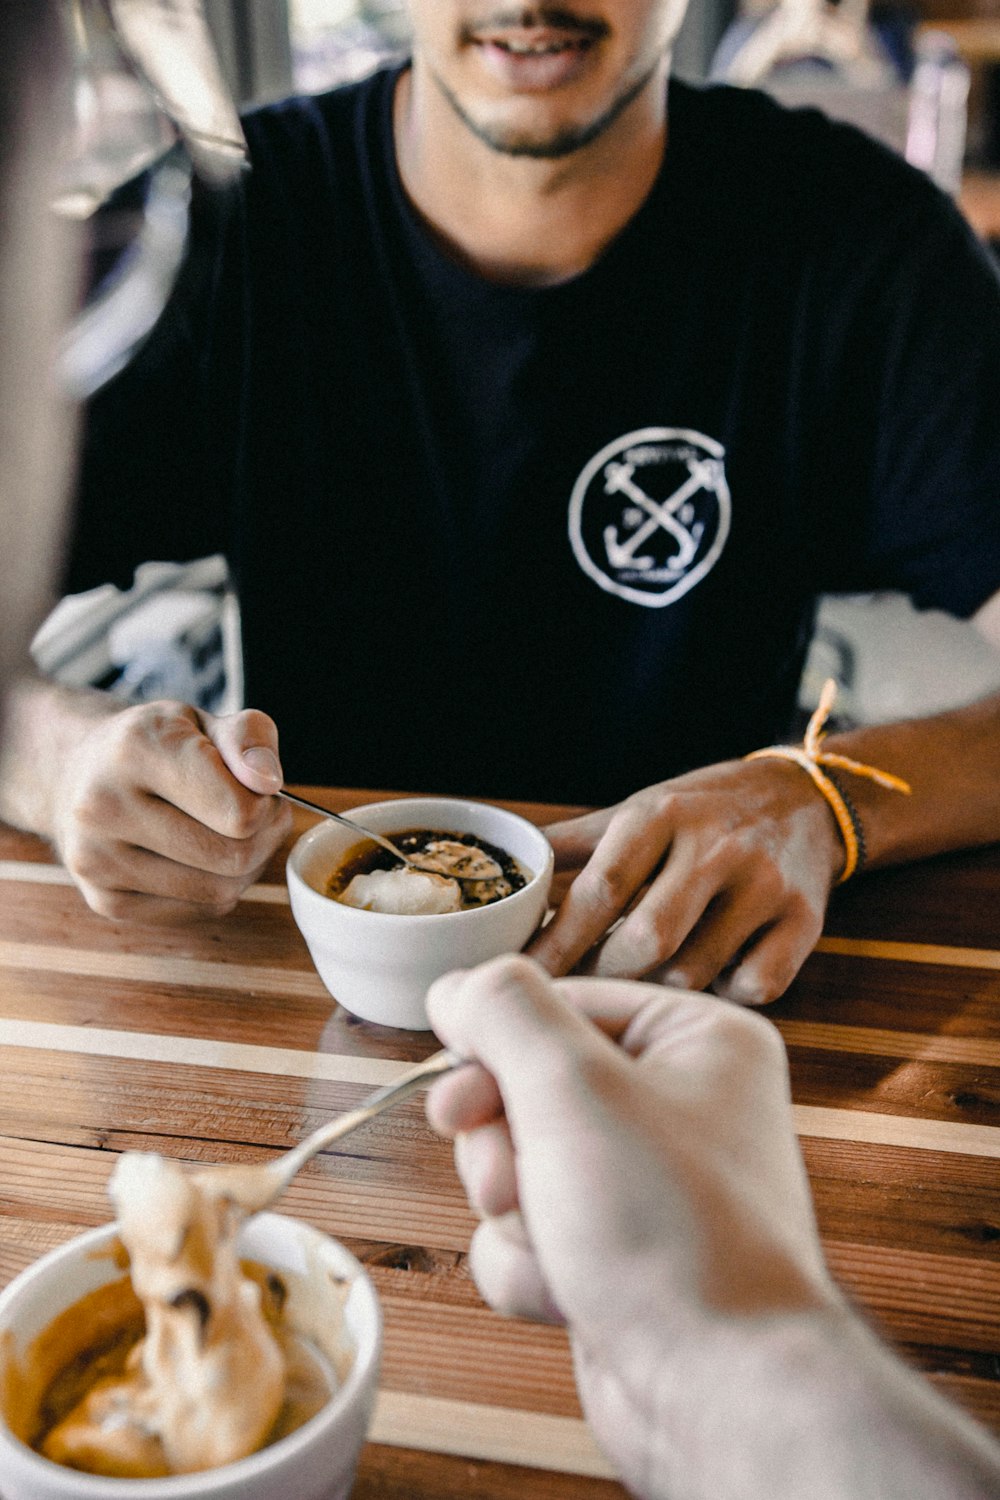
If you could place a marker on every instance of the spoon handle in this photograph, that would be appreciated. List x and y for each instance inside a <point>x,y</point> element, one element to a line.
<point>378,838</point>
<point>339,818</point>
<point>285,1167</point>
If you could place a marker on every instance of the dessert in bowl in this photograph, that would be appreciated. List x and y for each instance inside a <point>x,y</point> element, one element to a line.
<point>186,1353</point>
<point>379,963</point>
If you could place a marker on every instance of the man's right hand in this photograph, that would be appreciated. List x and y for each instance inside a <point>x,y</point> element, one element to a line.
<point>652,1196</point>
<point>164,813</point>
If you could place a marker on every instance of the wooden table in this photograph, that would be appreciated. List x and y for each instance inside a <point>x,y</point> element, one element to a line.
<point>218,1042</point>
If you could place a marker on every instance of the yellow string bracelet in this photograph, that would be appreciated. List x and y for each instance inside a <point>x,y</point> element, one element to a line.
<point>811,758</point>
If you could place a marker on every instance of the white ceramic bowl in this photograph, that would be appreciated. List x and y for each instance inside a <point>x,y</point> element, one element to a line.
<point>380,965</point>
<point>315,1462</point>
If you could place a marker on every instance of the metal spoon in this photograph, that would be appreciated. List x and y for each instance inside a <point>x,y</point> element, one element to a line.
<point>254,1187</point>
<point>379,838</point>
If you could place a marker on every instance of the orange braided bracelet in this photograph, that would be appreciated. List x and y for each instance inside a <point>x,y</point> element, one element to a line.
<point>811,758</point>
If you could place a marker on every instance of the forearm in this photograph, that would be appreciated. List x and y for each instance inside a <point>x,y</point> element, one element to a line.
<point>952,763</point>
<point>44,723</point>
<point>811,1405</point>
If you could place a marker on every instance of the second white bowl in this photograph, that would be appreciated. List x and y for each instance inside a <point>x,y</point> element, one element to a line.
<point>380,965</point>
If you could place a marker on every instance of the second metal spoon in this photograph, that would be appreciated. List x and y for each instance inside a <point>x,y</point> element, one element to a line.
<point>254,1187</point>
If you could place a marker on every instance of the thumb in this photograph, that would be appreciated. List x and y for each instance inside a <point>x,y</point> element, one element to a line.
<point>248,743</point>
<point>510,1016</point>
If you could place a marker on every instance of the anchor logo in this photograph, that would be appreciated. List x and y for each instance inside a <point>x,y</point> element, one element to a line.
<point>667,535</point>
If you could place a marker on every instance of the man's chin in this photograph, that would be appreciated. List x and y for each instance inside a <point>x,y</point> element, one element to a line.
<point>540,141</point>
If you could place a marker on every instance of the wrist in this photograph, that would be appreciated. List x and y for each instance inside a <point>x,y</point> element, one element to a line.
<point>806,1403</point>
<point>43,730</point>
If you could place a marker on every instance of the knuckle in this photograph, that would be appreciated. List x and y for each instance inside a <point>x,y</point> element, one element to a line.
<point>607,886</point>
<point>220,908</point>
<point>96,804</point>
<point>645,940</point>
<point>803,913</point>
<point>116,906</point>
<point>89,862</point>
<point>238,812</point>
<point>234,860</point>
<point>746,1032</point>
<point>255,724</point>
<point>162,722</point>
<point>511,973</point>
<point>656,801</point>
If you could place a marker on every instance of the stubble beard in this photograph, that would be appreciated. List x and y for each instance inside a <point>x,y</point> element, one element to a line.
<point>562,143</point>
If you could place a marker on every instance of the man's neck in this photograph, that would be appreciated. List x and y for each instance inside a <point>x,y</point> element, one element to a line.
<point>515,219</point>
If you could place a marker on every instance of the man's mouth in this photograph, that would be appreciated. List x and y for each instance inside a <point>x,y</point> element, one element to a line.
<point>533,44</point>
<point>538,32</point>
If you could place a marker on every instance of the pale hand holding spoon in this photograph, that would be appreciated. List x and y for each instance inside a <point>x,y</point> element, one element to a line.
<point>254,1187</point>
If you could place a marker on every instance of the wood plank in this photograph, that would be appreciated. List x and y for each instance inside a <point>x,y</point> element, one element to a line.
<point>897,1130</point>
<point>949,900</point>
<point>258,932</point>
<point>192,1051</point>
<point>980,1398</point>
<point>392,1473</point>
<point>937,1093</point>
<point>917,1200</point>
<point>433,1346</point>
<point>913,953</point>
<point>889,995</point>
<point>33,873</point>
<point>307,1022</point>
<point>171,969</point>
<point>913,1295</point>
<point>474,1431</point>
<point>915,1046</point>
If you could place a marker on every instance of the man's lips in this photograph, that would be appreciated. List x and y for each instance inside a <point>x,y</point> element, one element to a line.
<point>535,58</point>
<point>535,42</point>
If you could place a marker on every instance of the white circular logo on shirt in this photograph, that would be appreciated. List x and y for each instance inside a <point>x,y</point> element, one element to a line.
<point>649,515</point>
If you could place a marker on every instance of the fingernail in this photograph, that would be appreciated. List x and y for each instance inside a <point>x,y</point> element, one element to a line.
<point>263,761</point>
<point>744,990</point>
<point>676,979</point>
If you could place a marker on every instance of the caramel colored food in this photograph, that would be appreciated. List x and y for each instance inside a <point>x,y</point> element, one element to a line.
<point>189,1362</point>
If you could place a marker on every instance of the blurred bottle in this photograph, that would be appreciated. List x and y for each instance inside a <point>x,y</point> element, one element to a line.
<point>938,111</point>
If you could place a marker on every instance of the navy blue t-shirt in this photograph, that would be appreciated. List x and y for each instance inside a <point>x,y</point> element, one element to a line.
<point>559,542</point>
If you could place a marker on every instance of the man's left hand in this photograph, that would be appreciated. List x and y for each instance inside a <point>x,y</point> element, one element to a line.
<point>719,878</point>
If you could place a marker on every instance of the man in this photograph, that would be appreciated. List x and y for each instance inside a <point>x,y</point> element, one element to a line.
<point>725,1364</point>
<point>534,404</point>
<point>35,283</point>
<point>620,1192</point>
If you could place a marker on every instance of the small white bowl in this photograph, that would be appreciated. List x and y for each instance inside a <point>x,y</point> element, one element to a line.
<point>380,965</point>
<point>315,1462</point>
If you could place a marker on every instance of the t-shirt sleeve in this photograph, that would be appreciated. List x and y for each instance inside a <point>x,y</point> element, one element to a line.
<point>931,347</point>
<point>150,481</point>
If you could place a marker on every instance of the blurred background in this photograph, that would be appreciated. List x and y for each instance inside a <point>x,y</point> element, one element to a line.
<point>922,75</point>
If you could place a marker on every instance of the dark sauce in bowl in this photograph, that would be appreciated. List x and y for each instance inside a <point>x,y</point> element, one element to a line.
<point>366,858</point>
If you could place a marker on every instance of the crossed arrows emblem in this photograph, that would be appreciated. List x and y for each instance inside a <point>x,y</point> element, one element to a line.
<point>703,473</point>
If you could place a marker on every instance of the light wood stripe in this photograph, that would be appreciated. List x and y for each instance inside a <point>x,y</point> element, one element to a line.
<point>145,1046</point>
<point>33,874</point>
<point>143,968</point>
<point>896,1130</point>
<point>204,974</point>
<point>912,953</point>
<point>489,1433</point>
<point>917,1046</point>
<point>39,874</point>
